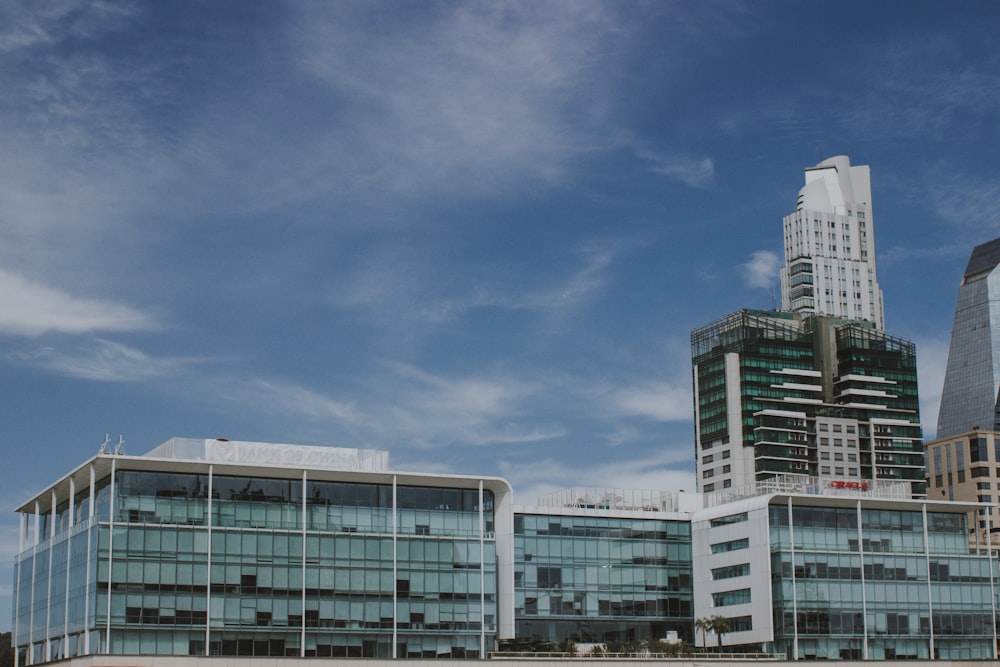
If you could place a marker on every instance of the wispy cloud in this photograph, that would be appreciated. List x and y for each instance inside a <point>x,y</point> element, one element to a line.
<point>406,289</point>
<point>26,24</point>
<point>477,410</point>
<point>932,359</point>
<point>696,172</point>
<point>970,203</point>
<point>667,468</point>
<point>658,401</point>
<point>578,286</point>
<point>470,97</point>
<point>761,269</point>
<point>290,398</point>
<point>102,361</point>
<point>30,308</point>
<point>480,97</point>
<point>403,403</point>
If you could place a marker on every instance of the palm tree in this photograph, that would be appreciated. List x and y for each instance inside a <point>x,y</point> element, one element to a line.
<point>719,625</point>
<point>702,624</point>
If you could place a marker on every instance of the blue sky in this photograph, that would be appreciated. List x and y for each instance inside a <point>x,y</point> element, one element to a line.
<point>476,235</point>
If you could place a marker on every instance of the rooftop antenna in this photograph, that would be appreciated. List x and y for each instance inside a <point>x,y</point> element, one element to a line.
<point>106,445</point>
<point>120,447</point>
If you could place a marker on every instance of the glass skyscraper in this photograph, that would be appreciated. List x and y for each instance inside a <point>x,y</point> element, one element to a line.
<point>970,398</point>
<point>964,459</point>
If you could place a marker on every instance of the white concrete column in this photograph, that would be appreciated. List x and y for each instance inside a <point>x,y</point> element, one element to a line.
<point>302,641</point>
<point>864,591</point>
<point>111,551</point>
<point>53,499</point>
<point>795,604</point>
<point>90,530</point>
<point>993,583</point>
<point>208,566</point>
<point>69,562</point>
<point>930,587</point>
<point>395,574</point>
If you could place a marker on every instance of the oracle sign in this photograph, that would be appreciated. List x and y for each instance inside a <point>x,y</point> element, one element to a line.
<point>848,484</point>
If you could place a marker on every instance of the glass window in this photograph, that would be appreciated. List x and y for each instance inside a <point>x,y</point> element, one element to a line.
<point>729,519</point>
<point>731,545</point>
<point>731,571</point>
<point>727,598</point>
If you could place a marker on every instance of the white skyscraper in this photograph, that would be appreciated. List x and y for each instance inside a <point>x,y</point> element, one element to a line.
<point>830,246</point>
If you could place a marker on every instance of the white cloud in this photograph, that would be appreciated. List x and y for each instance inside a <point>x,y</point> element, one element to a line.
<point>406,404</point>
<point>474,98</point>
<point>970,203</point>
<point>435,410</point>
<point>403,289</point>
<point>577,287</point>
<point>696,172</point>
<point>102,361</point>
<point>291,398</point>
<point>29,308</point>
<point>27,24</point>
<point>762,269</point>
<point>656,472</point>
<point>658,401</point>
<point>932,359</point>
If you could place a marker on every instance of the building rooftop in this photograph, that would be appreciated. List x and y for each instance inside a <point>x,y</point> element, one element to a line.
<point>627,500</point>
<point>813,486</point>
<point>221,450</point>
<point>983,260</point>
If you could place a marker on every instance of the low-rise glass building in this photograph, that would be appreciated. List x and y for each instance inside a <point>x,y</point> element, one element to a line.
<point>846,572</point>
<point>207,547</point>
<point>604,567</point>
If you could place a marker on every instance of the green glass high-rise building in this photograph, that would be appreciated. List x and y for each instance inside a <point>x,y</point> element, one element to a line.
<point>780,393</point>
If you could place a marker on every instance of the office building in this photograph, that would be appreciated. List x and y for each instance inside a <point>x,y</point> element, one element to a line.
<point>817,389</point>
<point>963,461</point>
<point>825,571</point>
<point>779,393</point>
<point>830,246</point>
<point>207,547</point>
<point>970,398</point>
<point>966,468</point>
<point>604,566</point>
<point>269,553</point>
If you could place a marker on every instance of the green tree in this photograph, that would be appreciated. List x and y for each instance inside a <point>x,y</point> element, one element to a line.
<point>6,650</point>
<point>701,624</point>
<point>720,626</point>
<point>567,645</point>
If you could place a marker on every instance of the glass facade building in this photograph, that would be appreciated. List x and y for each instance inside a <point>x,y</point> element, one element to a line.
<point>970,398</point>
<point>207,548</point>
<point>601,576</point>
<point>879,584</point>
<point>132,555</point>
<point>963,460</point>
<point>777,394</point>
<point>863,578</point>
